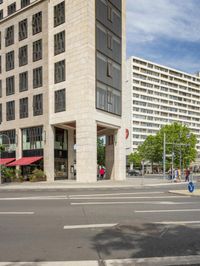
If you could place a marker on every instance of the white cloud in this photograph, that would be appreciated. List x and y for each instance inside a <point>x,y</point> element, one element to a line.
<point>148,20</point>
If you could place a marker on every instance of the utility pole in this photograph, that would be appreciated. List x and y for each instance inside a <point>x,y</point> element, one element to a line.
<point>164,155</point>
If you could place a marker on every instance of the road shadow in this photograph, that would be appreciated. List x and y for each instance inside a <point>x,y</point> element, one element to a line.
<point>148,240</point>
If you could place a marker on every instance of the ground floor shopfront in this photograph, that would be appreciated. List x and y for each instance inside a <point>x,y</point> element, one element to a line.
<point>64,151</point>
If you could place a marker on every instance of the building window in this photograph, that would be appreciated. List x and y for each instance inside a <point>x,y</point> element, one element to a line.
<point>109,41</point>
<point>109,13</point>
<point>10,110</point>
<point>32,138</point>
<point>10,61</point>
<point>0,88</point>
<point>37,104</point>
<point>10,85</point>
<point>9,36</point>
<point>11,8</point>
<point>0,65</point>
<point>23,107</point>
<point>59,73</point>
<point>25,3</point>
<point>23,29</point>
<point>23,55</point>
<point>59,14</point>
<point>37,50</point>
<point>109,69</point>
<point>59,43</point>
<point>37,23</point>
<point>23,81</point>
<point>60,101</point>
<point>1,14</point>
<point>37,77</point>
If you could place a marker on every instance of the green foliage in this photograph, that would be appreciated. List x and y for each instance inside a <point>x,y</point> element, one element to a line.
<point>37,175</point>
<point>135,158</point>
<point>100,151</point>
<point>2,147</point>
<point>179,140</point>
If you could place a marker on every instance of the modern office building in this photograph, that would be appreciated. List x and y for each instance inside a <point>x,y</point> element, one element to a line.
<point>160,95</point>
<point>62,69</point>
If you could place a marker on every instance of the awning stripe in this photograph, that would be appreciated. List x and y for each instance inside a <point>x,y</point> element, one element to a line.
<point>25,161</point>
<point>4,161</point>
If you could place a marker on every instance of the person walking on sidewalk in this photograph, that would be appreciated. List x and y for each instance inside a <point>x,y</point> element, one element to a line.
<point>187,175</point>
<point>101,172</point>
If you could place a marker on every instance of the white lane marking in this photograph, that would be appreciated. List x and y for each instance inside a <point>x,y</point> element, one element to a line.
<point>110,194</point>
<point>158,211</point>
<point>36,198</point>
<point>53,263</point>
<point>159,197</point>
<point>156,261</point>
<point>16,213</point>
<point>85,226</point>
<point>131,202</point>
<point>177,222</point>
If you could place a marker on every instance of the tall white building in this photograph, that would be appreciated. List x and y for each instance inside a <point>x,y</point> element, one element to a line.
<point>159,95</point>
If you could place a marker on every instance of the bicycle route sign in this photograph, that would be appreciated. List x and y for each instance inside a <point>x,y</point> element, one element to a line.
<point>191,187</point>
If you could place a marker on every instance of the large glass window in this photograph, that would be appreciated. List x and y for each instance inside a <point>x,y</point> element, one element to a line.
<point>32,138</point>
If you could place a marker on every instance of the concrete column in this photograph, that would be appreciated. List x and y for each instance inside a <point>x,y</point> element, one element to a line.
<point>119,155</point>
<point>71,152</point>
<point>19,143</point>
<point>49,152</point>
<point>86,150</point>
<point>109,161</point>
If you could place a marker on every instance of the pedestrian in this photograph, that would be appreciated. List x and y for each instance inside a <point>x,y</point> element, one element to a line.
<point>187,175</point>
<point>101,172</point>
<point>175,175</point>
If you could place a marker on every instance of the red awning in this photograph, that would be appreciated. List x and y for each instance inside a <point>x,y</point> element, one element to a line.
<point>4,161</point>
<point>25,161</point>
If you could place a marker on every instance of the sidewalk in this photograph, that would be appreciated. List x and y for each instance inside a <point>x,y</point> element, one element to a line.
<point>68,184</point>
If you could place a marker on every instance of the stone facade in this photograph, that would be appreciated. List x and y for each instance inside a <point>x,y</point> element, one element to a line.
<point>80,115</point>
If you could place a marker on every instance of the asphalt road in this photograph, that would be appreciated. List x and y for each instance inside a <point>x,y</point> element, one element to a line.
<point>99,225</point>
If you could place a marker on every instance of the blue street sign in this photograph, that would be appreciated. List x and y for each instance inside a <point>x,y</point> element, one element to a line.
<point>191,187</point>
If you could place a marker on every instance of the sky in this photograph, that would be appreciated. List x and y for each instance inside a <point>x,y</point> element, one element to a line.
<point>166,32</point>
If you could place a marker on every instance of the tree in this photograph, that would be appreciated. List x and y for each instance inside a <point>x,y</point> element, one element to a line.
<point>100,151</point>
<point>135,159</point>
<point>149,150</point>
<point>180,142</point>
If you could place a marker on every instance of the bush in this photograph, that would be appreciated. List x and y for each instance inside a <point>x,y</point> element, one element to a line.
<point>37,175</point>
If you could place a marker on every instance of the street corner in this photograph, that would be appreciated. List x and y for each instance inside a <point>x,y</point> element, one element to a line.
<point>185,192</point>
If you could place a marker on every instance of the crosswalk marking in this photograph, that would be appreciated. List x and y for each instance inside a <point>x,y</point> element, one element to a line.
<point>175,210</point>
<point>85,226</point>
<point>16,213</point>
